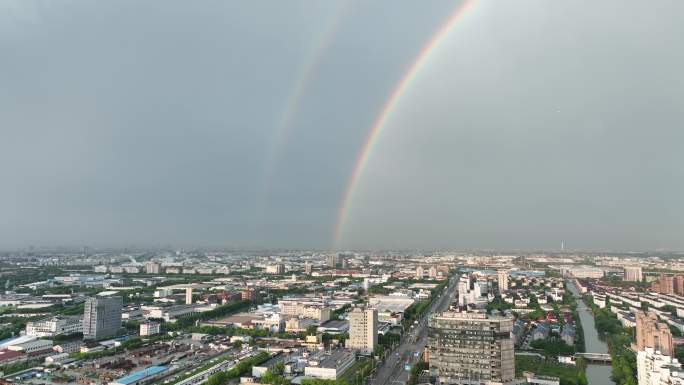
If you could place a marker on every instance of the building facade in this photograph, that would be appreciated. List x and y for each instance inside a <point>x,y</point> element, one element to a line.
<point>102,317</point>
<point>149,328</point>
<point>502,277</point>
<point>363,330</point>
<point>54,326</point>
<point>634,274</point>
<point>471,348</point>
<point>653,334</point>
<point>152,268</point>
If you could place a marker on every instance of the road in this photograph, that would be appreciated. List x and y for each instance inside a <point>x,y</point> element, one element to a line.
<point>391,371</point>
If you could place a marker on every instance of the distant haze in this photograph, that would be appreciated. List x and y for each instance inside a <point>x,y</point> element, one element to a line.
<point>147,123</point>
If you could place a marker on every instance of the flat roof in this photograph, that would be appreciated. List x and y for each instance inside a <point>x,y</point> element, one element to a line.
<point>137,376</point>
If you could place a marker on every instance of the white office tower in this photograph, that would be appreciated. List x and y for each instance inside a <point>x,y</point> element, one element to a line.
<point>471,348</point>
<point>363,330</point>
<point>654,368</point>
<point>419,272</point>
<point>502,277</point>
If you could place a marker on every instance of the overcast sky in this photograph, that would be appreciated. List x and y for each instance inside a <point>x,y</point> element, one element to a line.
<point>147,123</point>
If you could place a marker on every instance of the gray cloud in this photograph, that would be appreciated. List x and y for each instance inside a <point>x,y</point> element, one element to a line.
<point>147,123</point>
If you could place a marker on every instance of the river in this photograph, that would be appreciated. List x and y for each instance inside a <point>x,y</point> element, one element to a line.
<point>596,374</point>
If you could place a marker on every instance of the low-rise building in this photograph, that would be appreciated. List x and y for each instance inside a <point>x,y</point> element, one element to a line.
<point>55,326</point>
<point>329,365</point>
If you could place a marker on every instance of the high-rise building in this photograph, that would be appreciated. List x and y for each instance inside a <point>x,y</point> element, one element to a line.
<point>666,284</point>
<point>653,334</point>
<point>633,274</point>
<point>102,317</point>
<point>471,348</point>
<point>679,284</point>
<point>188,296</point>
<point>502,277</point>
<point>333,260</point>
<point>307,268</point>
<point>363,330</point>
<point>152,267</point>
<point>419,272</point>
<point>432,272</point>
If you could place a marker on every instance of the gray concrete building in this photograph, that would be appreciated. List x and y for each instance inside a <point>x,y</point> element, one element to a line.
<point>102,317</point>
<point>471,348</point>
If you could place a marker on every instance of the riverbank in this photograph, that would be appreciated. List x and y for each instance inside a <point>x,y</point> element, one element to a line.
<point>617,339</point>
<point>596,374</point>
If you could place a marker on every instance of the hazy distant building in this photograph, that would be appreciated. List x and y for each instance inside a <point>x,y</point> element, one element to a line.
<point>502,277</point>
<point>633,274</point>
<point>420,272</point>
<point>432,272</point>
<point>363,330</point>
<point>102,317</point>
<point>471,348</point>
<point>333,260</point>
<point>653,334</point>
<point>152,267</point>
<point>278,268</point>
<point>307,268</point>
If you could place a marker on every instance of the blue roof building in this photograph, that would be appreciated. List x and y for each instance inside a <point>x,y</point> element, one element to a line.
<point>140,377</point>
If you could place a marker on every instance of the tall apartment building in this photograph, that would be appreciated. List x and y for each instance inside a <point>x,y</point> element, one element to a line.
<point>420,272</point>
<point>666,284</point>
<point>102,317</point>
<point>307,268</point>
<point>363,330</point>
<point>679,284</point>
<point>653,334</point>
<point>432,272</point>
<point>471,348</point>
<point>633,274</point>
<point>502,277</point>
<point>54,326</point>
<point>152,267</point>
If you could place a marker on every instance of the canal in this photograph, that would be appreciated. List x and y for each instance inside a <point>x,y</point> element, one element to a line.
<point>596,374</point>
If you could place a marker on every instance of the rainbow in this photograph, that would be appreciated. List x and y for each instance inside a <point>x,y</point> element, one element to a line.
<point>387,109</point>
<point>305,76</point>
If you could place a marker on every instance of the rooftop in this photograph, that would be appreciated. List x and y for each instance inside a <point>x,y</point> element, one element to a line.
<point>137,376</point>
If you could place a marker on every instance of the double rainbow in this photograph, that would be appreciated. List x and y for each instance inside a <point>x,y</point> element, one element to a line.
<point>387,109</point>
